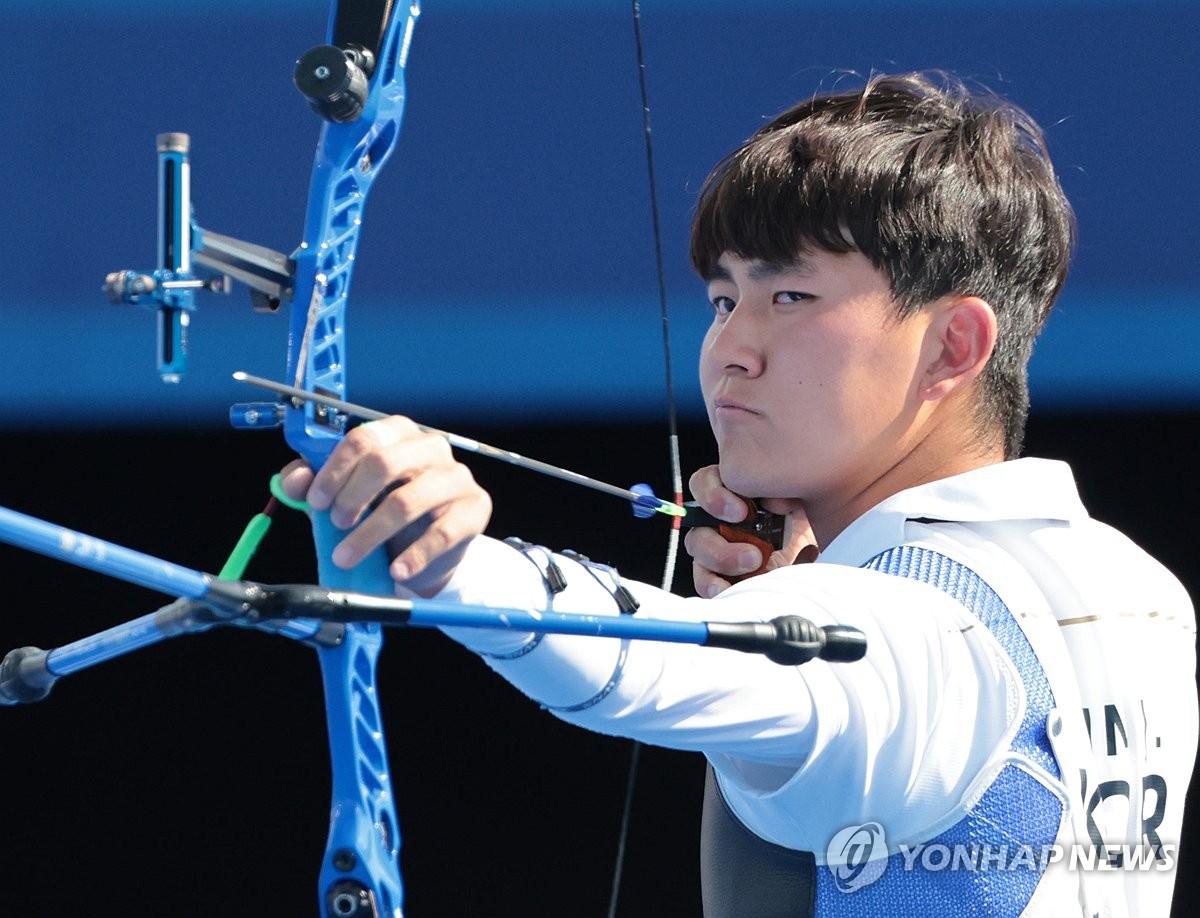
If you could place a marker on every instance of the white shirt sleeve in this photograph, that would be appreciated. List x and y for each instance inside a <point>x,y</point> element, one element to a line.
<point>917,717</point>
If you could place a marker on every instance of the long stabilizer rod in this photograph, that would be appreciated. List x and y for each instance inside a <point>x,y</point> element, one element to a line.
<point>26,674</point>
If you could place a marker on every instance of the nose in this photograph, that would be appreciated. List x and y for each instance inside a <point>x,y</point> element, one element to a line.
<point>734,345</point>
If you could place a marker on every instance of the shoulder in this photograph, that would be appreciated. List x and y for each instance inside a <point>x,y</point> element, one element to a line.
<point>1127,563</point>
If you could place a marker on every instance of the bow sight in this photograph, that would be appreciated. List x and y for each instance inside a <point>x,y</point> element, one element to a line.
<point>335,80</point>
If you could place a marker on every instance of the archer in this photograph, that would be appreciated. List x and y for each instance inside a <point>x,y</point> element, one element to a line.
<point>879,262</point>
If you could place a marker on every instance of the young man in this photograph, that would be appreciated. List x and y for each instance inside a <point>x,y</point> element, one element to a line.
<point>1020,736</point>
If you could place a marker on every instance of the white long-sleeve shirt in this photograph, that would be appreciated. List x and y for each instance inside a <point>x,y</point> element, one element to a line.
<point>1083,682</point>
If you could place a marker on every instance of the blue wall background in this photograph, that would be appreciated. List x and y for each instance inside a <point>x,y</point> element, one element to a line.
<point>505,269</point>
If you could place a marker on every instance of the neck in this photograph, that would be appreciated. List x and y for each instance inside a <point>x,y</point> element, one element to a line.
<point>933,458</point>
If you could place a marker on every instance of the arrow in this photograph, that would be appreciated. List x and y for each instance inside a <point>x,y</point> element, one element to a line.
<point>643,500</point>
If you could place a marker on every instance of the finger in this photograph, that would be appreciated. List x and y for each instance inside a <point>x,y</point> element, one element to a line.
<point>381,471</point>
<point>458,509</point>
<point>427,563</point>
<point>714,552</point>
<point>295,478</point>
<point>434,490</point>
<point>707,488</point>
<point>707,583</point>
<point>364,441</point>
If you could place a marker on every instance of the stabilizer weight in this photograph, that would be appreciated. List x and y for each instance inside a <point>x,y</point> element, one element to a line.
<point>790,640</point>
<point>24,676</point>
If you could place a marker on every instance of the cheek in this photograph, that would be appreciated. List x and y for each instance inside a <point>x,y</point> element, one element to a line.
<point>875,388</point>
<point>710,370</point>
<point>843,383</point>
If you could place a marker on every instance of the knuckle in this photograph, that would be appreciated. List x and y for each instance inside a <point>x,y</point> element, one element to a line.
<point>376,464</point>
<point>357,441</point>
<point>436,443</point>
<point>395,429</point>
<point>400,423</point>
<point>440,536</point>
<point>451,529</point>
<point>398,501</point>
<point>461,474</point>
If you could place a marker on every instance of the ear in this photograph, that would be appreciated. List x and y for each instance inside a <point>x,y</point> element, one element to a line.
<point>959,341</point>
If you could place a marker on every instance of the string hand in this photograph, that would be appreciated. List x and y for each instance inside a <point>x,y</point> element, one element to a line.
<point>388,483</point>
<point>721,557</point>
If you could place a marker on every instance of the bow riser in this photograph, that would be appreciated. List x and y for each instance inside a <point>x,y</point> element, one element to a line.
<point>348,158</point>
<point>360,874</point>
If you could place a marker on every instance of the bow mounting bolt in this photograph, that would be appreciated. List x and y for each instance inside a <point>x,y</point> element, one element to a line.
<point>334,80</point>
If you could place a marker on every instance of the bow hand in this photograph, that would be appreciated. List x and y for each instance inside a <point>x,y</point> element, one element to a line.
<point>389,484</point>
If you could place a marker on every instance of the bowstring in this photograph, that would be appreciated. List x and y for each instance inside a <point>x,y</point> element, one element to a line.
<point>668,576</point>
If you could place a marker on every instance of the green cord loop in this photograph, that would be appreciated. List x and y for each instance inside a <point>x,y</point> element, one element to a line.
<point>247,545</point>
<point>254,533</point>
<point>277,493</point>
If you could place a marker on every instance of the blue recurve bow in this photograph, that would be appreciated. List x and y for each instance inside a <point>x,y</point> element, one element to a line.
<point>355,82</point>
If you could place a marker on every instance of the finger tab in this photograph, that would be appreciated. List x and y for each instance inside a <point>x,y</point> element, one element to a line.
<point>734,534</point>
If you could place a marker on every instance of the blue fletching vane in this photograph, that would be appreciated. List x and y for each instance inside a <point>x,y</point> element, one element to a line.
<point>647,504</point>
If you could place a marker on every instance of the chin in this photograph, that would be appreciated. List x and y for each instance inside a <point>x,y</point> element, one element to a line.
<point>755,480</point>
<point>747,482</point>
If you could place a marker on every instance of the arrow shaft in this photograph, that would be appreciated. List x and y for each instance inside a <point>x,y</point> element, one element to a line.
<point>464,443</point>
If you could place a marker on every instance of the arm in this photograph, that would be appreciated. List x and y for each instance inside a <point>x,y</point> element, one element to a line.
<point>908,728</point>
<point>886,713</point>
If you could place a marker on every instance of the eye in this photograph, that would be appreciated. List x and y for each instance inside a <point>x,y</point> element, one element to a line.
<point>723,305</point>
<point>793,296</point>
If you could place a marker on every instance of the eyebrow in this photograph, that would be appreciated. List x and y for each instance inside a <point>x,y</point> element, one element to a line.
<point>765,270</point>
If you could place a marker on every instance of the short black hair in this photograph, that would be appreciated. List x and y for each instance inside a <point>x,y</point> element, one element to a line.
<point>945,190</point>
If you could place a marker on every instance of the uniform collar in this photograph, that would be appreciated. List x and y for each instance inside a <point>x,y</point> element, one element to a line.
<point>1022,489</point>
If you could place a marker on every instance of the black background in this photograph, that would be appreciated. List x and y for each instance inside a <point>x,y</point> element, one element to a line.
<point>191,778</point>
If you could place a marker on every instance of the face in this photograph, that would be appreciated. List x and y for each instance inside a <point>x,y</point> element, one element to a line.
<point>809,377</point>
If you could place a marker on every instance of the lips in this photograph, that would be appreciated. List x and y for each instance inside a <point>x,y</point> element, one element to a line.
<point>733,408</point>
